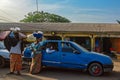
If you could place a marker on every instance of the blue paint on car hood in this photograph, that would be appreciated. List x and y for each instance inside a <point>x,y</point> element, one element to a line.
<point>104,59</point>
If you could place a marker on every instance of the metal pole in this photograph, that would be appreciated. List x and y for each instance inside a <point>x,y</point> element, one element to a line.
<point>37,5</point>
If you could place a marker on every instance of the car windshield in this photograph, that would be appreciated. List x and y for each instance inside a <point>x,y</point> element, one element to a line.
<point>82,48</point>
<point>2,45</point>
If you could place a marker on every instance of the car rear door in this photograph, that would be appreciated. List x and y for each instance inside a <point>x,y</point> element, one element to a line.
<point>53,58</point>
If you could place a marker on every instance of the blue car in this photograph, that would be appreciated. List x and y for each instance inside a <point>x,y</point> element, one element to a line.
<point>68,54</point>
<point>4,55</point>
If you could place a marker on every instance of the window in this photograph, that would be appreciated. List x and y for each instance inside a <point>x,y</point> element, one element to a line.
<point>52,45</point>
<point>67,47</point>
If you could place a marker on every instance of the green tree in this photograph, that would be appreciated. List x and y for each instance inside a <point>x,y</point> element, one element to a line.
<point>43,17</point>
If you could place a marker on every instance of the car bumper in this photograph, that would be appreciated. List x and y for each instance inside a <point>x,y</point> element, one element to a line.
<point>108,68</point>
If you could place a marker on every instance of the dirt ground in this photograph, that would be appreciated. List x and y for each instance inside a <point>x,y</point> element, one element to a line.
<point>61,74</point>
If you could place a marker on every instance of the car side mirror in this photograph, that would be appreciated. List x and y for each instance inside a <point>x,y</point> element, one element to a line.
<point>76,52</point>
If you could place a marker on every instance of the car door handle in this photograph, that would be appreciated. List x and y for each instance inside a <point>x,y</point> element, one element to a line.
<point>63,54</point>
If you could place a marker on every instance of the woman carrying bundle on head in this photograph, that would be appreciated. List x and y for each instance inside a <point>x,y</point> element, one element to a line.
<point>13,44</point>
<point>36,48</point>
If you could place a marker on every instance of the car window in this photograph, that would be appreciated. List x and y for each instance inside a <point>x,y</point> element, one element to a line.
<point>52,45</point>
<point>2,45</point>
<point>67,47</point>
<point>82,48</point>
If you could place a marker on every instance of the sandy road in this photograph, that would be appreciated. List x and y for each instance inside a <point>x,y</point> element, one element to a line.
<point>61,74</point>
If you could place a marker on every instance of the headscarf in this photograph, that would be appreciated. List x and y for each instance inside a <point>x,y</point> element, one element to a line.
<point>38,34</point>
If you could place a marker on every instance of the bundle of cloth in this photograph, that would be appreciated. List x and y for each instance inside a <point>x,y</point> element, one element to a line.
<point>32,37</point>
<point>12,37</point>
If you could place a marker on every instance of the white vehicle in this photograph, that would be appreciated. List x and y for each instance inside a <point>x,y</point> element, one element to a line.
<point>4,55</point>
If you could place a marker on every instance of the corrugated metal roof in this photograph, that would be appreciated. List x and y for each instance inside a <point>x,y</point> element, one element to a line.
<point>63,27</point>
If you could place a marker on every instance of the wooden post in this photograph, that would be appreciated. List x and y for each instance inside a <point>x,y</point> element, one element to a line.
<point>92,42</point>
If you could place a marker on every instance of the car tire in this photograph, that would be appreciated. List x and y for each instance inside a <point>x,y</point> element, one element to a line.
<point>95,69</point>
<point>2,62</point>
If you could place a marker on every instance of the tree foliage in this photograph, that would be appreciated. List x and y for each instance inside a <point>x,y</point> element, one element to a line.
<point>118,21</point>
<point>43,17</point>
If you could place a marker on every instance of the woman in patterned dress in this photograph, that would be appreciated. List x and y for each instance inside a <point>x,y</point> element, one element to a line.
<point>36,54</point>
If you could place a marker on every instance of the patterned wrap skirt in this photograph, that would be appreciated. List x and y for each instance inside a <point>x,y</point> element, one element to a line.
<point>15,62</point>
<point>36,64</point>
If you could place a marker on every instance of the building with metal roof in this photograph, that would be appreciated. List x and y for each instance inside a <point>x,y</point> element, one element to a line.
<point>74,31</point>
<point>64,27</point>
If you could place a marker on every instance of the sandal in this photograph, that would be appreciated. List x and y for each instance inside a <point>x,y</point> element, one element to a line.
<point>10,73</point>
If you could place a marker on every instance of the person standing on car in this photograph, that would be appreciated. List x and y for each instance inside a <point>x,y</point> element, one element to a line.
<point>36,48</point>
<point>14,41</point>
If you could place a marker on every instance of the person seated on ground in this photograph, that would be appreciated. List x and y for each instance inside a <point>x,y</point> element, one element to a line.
<point>50,49</point>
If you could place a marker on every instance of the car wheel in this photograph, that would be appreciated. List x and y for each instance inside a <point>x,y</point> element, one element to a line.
<point>2,62</point>
<point>95,69</point>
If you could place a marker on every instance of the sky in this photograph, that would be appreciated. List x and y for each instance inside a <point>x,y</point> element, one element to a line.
<point>77,11</point>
